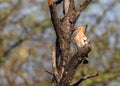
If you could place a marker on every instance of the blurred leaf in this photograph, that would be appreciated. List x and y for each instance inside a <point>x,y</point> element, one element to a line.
<point>8,11</point>
<point>32,52</point>
<point>2,59</point>
<point>89,82</point>
<point>46,24</point>
<point>98,79</point>
<point>6,1</point>
<point>31,16</point>
<point>108,76</point>
<point>22,54</point>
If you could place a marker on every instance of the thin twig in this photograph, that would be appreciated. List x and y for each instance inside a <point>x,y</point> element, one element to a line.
<point>49,72</point>
<point>54,77</point>
<point>76,83</point>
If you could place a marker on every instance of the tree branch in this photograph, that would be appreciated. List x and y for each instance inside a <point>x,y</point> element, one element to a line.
<point>82,7</point>
<point>72,5</point>
<point>20,41</point>
<point>66,4</point>
<point>59,36</point>
<point>49,72</point>
<point>55,71</point>
<point>2,21</point>
<point>74,62</point>
<point>57,26</point>
<point>54,17</point>
<point>53,12</point>
<point>76,83</point>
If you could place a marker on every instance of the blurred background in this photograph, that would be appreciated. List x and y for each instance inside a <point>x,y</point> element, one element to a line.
<point>27,36</point>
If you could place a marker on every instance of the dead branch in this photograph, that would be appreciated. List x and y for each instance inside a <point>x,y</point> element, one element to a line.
<point>66,4</point>
<point>55,71</point>
<point>82,7</point>
<point>76,83</point>
<point>64,65</point>
<point>73,64</point>
<point>49,72</point>
<point>54,77</point>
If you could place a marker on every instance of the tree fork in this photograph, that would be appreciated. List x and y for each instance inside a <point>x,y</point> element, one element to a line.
<point>64,64</point>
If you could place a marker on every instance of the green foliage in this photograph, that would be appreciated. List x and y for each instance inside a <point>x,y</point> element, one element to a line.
<point>32,52</point>
<point>7,1</point>
<point>46,24</point>
<point>2,59</point>
<point>108,76</point>
<point>117,56</point>
<point>31,16</point>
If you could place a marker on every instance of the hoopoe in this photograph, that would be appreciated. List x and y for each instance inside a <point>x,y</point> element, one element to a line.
<point>80,39</point>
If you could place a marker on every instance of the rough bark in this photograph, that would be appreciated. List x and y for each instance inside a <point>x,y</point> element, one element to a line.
<point>64,64</point>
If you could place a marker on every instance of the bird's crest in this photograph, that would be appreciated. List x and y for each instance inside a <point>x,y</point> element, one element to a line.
<point>82,28</point>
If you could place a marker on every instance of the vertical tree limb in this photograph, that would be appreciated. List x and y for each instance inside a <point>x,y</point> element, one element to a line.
<point>64,64</point>
<point>66,4</point>
<point>54,67</point>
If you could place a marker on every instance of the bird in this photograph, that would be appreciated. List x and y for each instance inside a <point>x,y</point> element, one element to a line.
<point>80,39</point>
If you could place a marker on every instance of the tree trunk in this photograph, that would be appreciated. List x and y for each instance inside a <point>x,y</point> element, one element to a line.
<point>64,64</point>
